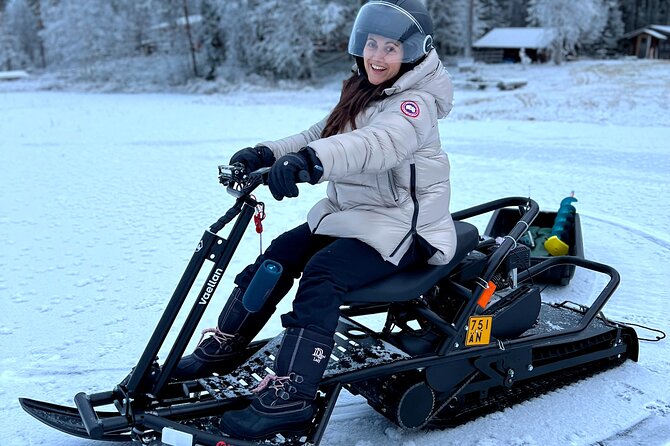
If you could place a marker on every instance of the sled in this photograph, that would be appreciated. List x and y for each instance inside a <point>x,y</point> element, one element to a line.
<point>454,342</point>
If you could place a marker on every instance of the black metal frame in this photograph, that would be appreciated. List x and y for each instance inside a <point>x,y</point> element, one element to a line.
<point>146,382</point>
<point>144,400</point>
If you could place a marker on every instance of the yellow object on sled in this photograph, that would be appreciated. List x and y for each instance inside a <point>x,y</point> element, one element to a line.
<point>555,246</point>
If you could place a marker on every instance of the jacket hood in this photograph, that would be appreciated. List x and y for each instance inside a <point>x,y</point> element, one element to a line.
<point>430,76</point>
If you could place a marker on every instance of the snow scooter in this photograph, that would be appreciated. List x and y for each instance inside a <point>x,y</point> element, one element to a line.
<point>459,340</point>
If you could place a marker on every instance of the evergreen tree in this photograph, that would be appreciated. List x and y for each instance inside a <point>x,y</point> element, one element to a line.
<point>574,23</point>
<point>8,56</point>
<point>274,38</point>
<point>277,48</point>
<point>614,28</point>
<point>517,13</point>
<point>640,13</point>
<point>493,14</point>
<point>20,39</point>
<point>212,38</point>
<point>36,7</point>
<point>449,20</point>
<point>77,33</point>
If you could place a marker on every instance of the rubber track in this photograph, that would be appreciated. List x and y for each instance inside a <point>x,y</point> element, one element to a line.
<point>519,392</point>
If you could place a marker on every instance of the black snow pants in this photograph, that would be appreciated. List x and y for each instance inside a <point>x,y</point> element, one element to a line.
<point>330,267</point>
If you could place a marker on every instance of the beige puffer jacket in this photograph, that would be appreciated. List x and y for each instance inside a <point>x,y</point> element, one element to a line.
<point>389,178</point>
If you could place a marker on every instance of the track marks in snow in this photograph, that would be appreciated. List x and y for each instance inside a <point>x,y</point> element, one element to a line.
<point>658,239</point>
<point>652,430</point>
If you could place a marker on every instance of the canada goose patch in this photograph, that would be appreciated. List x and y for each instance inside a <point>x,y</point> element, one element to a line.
<point>410,108</point>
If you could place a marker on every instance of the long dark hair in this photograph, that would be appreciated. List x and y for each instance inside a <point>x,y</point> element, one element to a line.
<point>357,94</point>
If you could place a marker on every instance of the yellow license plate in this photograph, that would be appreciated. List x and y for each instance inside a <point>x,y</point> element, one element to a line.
<point>479,330</point>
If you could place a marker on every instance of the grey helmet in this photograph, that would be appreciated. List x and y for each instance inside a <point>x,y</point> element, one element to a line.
<point>406,21</point>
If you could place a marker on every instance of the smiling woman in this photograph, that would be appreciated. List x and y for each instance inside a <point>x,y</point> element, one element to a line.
<point>382,58</point>
<point>404,21</point>
<point>387,209</point>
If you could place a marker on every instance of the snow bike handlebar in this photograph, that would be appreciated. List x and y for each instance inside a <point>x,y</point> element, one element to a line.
<point>239,182</point>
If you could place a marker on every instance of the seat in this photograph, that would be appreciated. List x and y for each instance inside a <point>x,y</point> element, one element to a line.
<point>416,280</point>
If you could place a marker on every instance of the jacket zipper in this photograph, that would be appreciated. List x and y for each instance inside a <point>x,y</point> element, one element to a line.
<point>415,215</point>
<point>319,222</point>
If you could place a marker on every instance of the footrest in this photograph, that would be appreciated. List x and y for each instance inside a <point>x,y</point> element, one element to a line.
<point>356,347</point>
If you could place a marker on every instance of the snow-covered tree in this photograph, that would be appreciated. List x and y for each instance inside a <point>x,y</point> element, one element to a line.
<point>517,13</point>
<point>7,46</point>
<point>139,16</point>
<point>275,38</point>
<point>492,13</point>
<point>212,37</point>
<point>615,25</point>
<point>450,19</point>
<point>281,39</point>
<point>19,35</point>
<point>608,40</point>
<point>573,23</point>
<point>335,21</point>
<point>639,13</point>
<point>76,32</point>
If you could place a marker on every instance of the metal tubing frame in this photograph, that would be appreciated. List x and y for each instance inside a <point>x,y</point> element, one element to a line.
<point>529,209</point>
<point>603,296</point>
<point>209,245</point>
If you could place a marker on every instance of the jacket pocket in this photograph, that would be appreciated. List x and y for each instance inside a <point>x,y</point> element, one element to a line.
<point>387,190</point>
<point>392,186</point>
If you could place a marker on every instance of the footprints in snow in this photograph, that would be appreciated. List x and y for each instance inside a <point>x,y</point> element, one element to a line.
<point>627,392</point>
<point>658,407</point>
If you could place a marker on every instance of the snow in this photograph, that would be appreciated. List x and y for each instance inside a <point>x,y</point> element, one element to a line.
<point>104,197</point>
<point>12,75</point>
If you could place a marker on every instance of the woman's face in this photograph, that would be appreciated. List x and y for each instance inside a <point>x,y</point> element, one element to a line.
<point>382,58</point>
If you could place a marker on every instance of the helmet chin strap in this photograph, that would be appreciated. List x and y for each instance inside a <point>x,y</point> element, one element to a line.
<point>360,64</point>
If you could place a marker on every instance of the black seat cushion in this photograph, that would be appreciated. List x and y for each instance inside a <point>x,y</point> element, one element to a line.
<point>416,280</point>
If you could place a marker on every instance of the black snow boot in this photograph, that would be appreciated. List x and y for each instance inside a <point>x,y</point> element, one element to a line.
<point>222,351</point>
<point>284,402</point>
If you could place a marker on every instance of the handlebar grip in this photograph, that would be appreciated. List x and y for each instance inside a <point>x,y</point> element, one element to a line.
<point>304,176</point>
<point>263,173</point>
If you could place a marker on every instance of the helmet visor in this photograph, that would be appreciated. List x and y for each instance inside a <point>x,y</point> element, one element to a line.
<point>391,21</point>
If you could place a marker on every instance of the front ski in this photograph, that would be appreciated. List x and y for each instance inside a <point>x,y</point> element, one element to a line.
<point>67,419</point>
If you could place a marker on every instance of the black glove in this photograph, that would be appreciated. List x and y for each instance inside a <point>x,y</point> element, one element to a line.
<point>293,168</point>
<point>253,158</point>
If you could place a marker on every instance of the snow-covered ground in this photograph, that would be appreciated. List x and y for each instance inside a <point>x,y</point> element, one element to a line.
<point>103,198</point>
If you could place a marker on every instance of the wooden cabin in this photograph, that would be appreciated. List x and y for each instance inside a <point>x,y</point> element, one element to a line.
<point>514,44</point>
<point>650,42</point>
